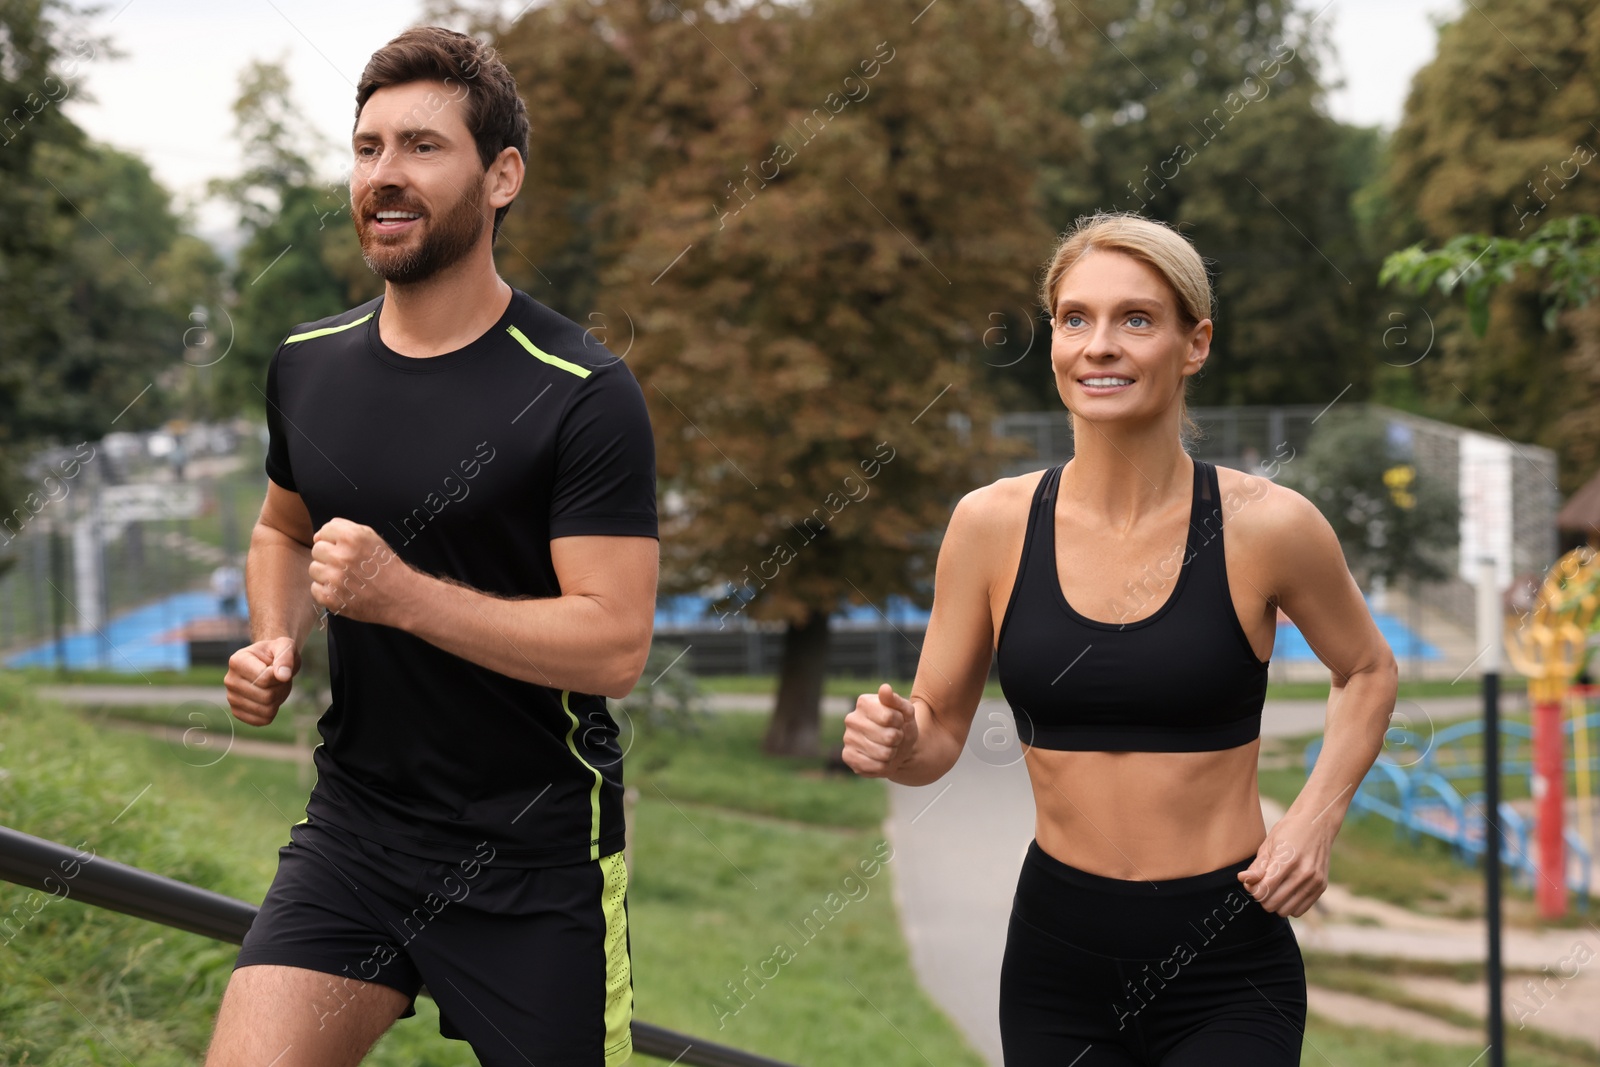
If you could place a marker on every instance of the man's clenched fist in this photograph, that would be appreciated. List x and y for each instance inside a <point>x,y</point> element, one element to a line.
<point>354,573</point>
<point>880,733</point>
<point>259,679</point>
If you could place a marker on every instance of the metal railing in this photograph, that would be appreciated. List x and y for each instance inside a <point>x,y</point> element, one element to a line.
<point>36,863</point>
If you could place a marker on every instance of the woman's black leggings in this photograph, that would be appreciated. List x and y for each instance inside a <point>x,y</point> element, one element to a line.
<point>1103,972</point>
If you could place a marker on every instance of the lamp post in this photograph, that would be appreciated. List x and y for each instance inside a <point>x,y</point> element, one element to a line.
<point>1490,622</point>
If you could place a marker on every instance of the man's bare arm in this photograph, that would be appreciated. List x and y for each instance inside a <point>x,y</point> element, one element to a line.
<point>592,638</point>
<point>282,613</point>
<point>275,570</point>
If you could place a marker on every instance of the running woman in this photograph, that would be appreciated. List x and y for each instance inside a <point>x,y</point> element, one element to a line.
<point>462,482</point>
<point>1151,918</point>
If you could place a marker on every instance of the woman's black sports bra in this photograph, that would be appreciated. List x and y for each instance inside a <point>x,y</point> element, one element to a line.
<point>1183,679</point>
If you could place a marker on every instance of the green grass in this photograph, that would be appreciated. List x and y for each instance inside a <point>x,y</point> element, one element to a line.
<point>721,766</point>
<point>731,849</point>
<point>47,676</point>
<point>147,991</point>
<point>203,723</point>
<point>718,899</point>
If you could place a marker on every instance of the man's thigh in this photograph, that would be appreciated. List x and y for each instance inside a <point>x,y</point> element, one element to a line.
<point>319,974</point>
<point>270,1015</point>
<point>535,969</point>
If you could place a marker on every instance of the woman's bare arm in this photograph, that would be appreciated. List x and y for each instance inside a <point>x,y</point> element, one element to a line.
<point>1311,582</point>
<point>916,741</point>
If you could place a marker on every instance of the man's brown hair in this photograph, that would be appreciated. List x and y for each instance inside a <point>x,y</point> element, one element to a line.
<point>494,113</point>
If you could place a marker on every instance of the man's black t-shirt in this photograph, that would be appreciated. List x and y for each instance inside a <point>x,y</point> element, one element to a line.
<point>467,464</point>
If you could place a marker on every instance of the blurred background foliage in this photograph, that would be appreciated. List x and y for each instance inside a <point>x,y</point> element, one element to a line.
<point>991,128</point>
<point>815,231</point>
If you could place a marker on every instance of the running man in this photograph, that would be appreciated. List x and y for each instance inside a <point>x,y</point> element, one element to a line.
<point>463,486</point>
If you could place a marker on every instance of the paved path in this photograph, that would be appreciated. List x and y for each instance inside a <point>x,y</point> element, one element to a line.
<point>202,750</point>
<point>1354,1010</point>
<point>129,694</point>
<point>1281,718</point>
<point>958,847</point>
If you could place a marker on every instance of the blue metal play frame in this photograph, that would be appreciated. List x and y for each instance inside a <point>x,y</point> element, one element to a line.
<point>1419,795</point>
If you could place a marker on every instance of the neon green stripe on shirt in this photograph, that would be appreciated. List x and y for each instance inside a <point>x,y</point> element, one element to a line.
<point>309,334</point>
<point>594,792</point>
<point>539,353</point>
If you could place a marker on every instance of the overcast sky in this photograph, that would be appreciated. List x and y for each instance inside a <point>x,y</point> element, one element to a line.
<point>167,98</point>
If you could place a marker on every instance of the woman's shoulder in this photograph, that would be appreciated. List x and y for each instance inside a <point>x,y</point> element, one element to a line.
<point>1262,513</point>
<point>989,514</point>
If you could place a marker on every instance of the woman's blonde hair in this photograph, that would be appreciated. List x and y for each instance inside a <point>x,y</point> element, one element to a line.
<point>1156,245</point>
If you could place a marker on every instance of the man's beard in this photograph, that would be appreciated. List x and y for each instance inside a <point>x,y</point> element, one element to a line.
<point>446,240</point>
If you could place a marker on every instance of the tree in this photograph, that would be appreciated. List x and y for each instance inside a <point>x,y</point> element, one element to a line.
<point>1564,254</point>
<point>99,276</point>
<point>1498,140</point>
<point>808,215</point>
<point>591,142</point>
<point>1209,115</point>
<point>34,318</point>
<point>302,260</point>
<point>1513,88</point>
<point>135,277</point>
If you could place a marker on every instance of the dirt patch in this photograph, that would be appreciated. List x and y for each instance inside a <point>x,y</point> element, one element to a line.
<point>1348,1009</point>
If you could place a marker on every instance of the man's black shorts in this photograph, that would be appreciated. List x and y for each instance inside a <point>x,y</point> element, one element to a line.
<point>527,964</point>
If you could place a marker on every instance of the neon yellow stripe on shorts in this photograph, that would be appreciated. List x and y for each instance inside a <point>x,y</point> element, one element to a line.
<point>619,976</point>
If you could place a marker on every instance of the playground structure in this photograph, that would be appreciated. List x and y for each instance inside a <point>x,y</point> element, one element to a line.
<point>1418,789</point>
<point>1417,784</point>
<point>1549,648</point>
